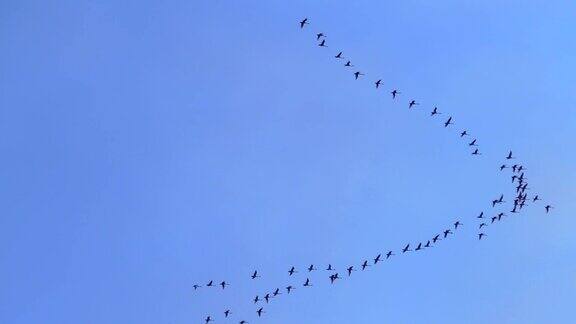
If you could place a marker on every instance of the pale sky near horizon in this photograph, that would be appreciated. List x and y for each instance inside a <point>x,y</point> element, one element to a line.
<point>148,146</point>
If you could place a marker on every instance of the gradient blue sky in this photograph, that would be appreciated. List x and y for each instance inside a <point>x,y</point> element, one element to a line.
<point>150,145</point>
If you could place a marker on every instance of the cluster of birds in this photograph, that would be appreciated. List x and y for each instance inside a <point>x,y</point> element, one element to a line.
<point>521,199</point>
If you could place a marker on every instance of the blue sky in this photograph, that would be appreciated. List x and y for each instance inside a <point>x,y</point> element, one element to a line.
<point>148,146</point>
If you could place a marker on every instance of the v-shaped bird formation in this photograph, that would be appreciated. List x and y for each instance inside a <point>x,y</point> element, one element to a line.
<point>303,278</point>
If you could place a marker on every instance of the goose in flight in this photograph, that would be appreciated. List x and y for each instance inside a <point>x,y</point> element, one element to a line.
<point>311,268</point>
<point>256,299</point>
<point>482,225</point>
<point>323,43</point>
<point>208,319</point>
<point>481,215</point>
<point>427,245</point>
<point>419,247</point>
<point>329,268</point>
<point>303,22</point>
<point>481,235</point>
<point>377,259</point>
<point>377,83</point>
<point>348,64</point>
<point>226,313</point>
<point>224,284</point>
<point>535,198</point>
<point>464,133</point>
<point>307,283</point>
<point>276,292</point>
<point>406,248</point>
<point>292,271</point>
<point>260,311</point>
<point>448,122</point>
<point>255,274</point>
<point>412,103</point>
<point>436,238</point>
<point>476,152</point>
<point>339,56</point>
<point>365,264</point>
<point>196,287</point>
<point>357,74</point>
<point>548,207</point>
<point>509,156</point>
<point>394,93</point>
<point>446,232</point>
<point>350,269</point>
<point>209,284</point>
<point>502,167</point>
<point>289,288</point>
<point>319,35</point>
<point>473,143</point>
<point>243,322</point>
<point>457,224</point>
<point>267,298</point>
<point>435,112</point>
<point>390,253</point>
<point>495,218</point>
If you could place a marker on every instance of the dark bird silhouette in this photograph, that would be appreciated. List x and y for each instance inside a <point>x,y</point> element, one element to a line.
<point>329,268</point>
<point>256,299</point>
<point>548,207</point>
<point>520,168</point>
<point>208,319</point>
<point>500,216</point>
<point>481,215</point>
<point>224,284</point>
<point>389,254</point>
<point>476,152</point>
<point>348,64</point>
<point>350,269</point>
<point>495,218</point>
<point>535,198</point>
<point>427,245</point>
<point>357,74</point>
<point>501,199</point>
<point>481,235</point>
<point>196,287</point>
<point>339,56</point>
<point>377,259</point>
<point>267,298</point>
<point>377,83</point>
<point>307,283</point>
<point>457,224</point>
<point>227,312</point>
<point>303,22</point>
<point>448,122</point>
<point>473,143</point>
<point>255,274</point>
<point>394,93</point>
<point>365,264</point>
<point>260,311</point>
<point>514,168</point>
<point>323,43</point>
<point>276,292</point>
<point>446,232</point>
<point>482,225</point>
<point>209,284</point>
<point>311,268</point>
<point>464,133</point>
<point>435,112</point>
<point>292,271</point>
<point>419,247</point>
<point>334,277</point>
<point>412,103</point>
<point>319,35</point>
<point>436,238</point>
<point>243,322</point>
<point>509,156</point>
<point>289,288</point>
<point>502,167</point>
<point>406,248</point>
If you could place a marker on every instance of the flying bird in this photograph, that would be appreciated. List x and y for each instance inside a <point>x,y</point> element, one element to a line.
<point>289,288</point>
<point>329,268</point>
<point>260,311</point>
<point>473,143</point>
<point>412,103</point>
<point>209,284</point>
<point>436,238</point>
<point>255,274</point>
<point>509,156</point>
<point>502,167</point>
<point>457,224</point>
<point>303,22</point>
<point>448,122</point>
<point>227,312</point>
<point>377,259</point>
<point>365,264</point>
<point>311,268</point>
<point>394,93</point>
<point>535,198</point>
<point>319,35</point>
<point>292,271</point>
<point>196,287</point>
<point>495,218</point>
<point>427,245</point>
<point>348,64</point>
<point>323,43</point>
<point>307,283</point>
<point>389,254</point>
<point>208,319</point>
<point>476,152</point>
<point>419,247</point>
<point>377,83</point>
<point>481,235</point>
<point>276,292</point>
<point>464,133</point>
<point>350,269</point>
<point>482,225</point>
<point>267,298</point>
<point>357,74</point>
<point>481,215</point>
<point>243,322</point>
<point>548,207</point>
<point>256,299</point>
<point>435,112</point>
<point>224,284</point>
<point>339,56</point>
<point>446,232</point>
<point>406,248</point>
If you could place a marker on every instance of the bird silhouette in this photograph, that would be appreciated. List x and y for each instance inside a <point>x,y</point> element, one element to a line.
<point>548,207</point>
<point>276,292</point>
<point>319,35</point>
<point>243,322</point>
<point>389,254</point>
<point>481,215</point>
<point>500,216</point>
<point>260,311</point>
<point>323,43</point>
<point>311,268</point>
<point>476,152</point>
<point>481,235</point>
<point>329,268</point>
<point>224,284</point>
<point>334,277</point>
<point>377,83</point>
<point>482,225</point>
<point>412,103</point>
<point>209,284</point>
<point>365,265</point>
<point>255,274</point>
<point>427,245</point>
<point>419,247</point>
<point>448,122</point>
<point>292,271</point>
<point>535,198</point>
<point>196,287</point>
<point>435,112</point>
<point>256,299</point>
<point>208,319</point>
<point>473,143</point>
<point>307,283</point>
<point>509,156</point>
<point>303,22</point>
<point>357,74</point>
<point>464,133</point>
<point>339,56</point>
<point>267,298</point>
<point>436,238</point>
<point>446,232</point>
<point>350,269</point>
<point>377,259</point>
<point>227,312</point>
<point>394,93</point>
<point>348,64</point>
<point>289,289</point>
<point>457,224</point>
<point>495,218</point>
<point>406,248</point>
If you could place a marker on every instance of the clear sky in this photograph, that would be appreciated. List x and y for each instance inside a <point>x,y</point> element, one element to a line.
<point>150,145</point>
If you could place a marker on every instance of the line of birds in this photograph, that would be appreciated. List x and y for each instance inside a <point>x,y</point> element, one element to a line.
<point>519,202</point>
<point>334,276</point>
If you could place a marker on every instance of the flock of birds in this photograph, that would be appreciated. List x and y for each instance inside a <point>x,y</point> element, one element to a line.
<point>520,200</point>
